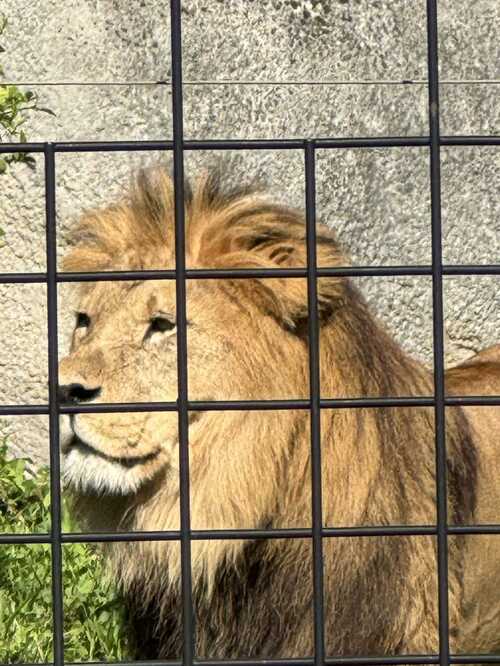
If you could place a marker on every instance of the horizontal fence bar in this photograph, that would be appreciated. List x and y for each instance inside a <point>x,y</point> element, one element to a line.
<point>399,660</point>
<point>24,539</point>
<point>485,269</point>
<point>372,142</point>
<point>325,403</point>
<point>24,410</point>
<point>251,534</point>
<point>472,401</point>
<point>251,405</point>
<point>250,273</point>
<point>473,529</point>
<point>492,140</point>
<point>413,659</point>
<point>249,144</point>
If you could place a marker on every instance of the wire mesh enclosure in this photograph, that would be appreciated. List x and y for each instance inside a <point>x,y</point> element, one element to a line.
<point>439,401</point>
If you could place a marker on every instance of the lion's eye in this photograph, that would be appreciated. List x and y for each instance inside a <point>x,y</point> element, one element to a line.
<point>161,324</point>
<point>82,320</point>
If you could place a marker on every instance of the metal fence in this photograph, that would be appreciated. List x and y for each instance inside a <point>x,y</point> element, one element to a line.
<point>439,401</point>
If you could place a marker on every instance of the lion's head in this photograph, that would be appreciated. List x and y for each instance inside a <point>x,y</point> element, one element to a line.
<point>241,334</point>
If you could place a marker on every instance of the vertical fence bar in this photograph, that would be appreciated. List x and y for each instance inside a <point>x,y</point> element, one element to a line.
<point>55,484</point>
<point>315,411</point>
<point>438,343</point>
<point>182,367</point>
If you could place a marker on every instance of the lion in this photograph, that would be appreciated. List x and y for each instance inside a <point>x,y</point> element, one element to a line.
<point>247,340</point>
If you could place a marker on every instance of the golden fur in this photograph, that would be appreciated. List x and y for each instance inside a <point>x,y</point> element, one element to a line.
<point>247,339</point>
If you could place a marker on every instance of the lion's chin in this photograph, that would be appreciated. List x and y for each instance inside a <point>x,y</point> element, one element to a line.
<point>87,470</point>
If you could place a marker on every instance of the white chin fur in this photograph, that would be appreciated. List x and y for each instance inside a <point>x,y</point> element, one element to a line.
<point>87,472</point>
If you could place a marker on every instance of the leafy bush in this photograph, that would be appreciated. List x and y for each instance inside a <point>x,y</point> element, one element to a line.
<point>93,613</point>
<point>15,104</point>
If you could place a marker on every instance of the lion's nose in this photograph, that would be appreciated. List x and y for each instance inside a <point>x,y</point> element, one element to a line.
<point>75,393</point>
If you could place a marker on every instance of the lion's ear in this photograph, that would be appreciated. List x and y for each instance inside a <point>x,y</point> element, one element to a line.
<point>257,234</point>
<point>287,298</point>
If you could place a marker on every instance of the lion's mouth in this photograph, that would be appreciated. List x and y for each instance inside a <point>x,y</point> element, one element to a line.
<point>87,468</point>
<point>79,444</point>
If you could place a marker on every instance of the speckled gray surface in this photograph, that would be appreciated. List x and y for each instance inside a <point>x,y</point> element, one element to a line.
<point>378,200</point>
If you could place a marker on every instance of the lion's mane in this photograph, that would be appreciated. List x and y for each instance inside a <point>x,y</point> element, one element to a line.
<point>253,598</point>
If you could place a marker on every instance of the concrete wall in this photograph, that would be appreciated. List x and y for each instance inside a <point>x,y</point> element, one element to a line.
<point>377,200</point>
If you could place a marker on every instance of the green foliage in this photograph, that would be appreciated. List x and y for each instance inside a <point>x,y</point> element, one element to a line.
<point>93,612</point>
<point>24,500</point>
<point>15,105</point>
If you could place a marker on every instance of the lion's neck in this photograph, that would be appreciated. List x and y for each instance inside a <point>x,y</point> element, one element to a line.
<point>383,452</point>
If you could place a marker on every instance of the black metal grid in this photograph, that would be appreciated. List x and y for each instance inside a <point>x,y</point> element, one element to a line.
<point>315,403</point>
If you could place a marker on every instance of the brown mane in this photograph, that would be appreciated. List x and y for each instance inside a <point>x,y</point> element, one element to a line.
<point>254,598</point>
